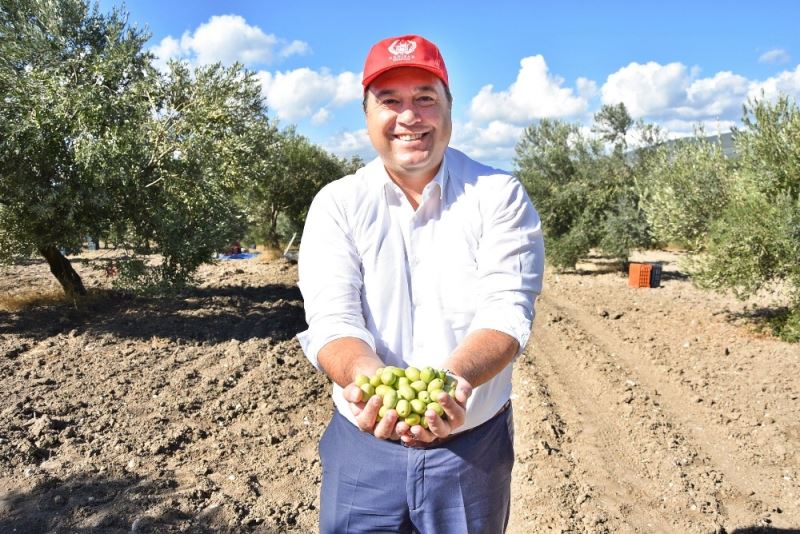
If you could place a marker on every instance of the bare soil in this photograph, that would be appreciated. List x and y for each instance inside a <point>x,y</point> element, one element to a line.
<point>637,410</point>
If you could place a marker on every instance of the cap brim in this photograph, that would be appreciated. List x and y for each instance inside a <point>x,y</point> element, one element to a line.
<point>366,81</point>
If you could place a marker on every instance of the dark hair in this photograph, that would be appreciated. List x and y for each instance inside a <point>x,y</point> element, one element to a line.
<point>446,92</point>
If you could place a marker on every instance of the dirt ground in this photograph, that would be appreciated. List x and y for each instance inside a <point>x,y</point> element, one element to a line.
<point>637,410</point>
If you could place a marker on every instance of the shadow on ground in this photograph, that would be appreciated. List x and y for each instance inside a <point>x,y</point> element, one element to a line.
<point>765,530</point>
<point>97,504</point>
<point>215,314</point>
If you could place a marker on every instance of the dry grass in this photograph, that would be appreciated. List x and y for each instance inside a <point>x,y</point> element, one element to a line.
<point>268,254</point>
<point>32,298</point>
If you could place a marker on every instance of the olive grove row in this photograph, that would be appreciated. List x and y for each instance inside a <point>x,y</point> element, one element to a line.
<point>626,186</point>
<point>95,141</point>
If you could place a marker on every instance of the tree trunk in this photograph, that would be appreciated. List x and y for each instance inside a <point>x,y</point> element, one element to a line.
<point>63,271</point>
<point>273,230</point>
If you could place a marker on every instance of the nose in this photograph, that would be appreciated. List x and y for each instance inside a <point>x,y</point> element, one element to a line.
<point>408,115</point>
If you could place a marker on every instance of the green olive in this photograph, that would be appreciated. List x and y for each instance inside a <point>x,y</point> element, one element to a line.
<point>412,419</point>
<point>412,373</point>
<point>427,374</point>
<point>436,383</point>
<point>402,381</point>
<point>418,406</point>
<point>436,407</point>
<point>423,422</point>
<point>361,380</point>
<point>367,391</point>
<point>390,399</point>
<point>382,411</point>
<point>403,408</point>
<point>397,371</point>
<point>419,385</point>
<point>406,392</point>
<point>424,396</point>
<point>382,390</point>
<point>388,377</point>
<point>375,380</point>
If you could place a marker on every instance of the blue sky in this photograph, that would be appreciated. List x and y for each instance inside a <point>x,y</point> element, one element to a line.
<point>677,64</point>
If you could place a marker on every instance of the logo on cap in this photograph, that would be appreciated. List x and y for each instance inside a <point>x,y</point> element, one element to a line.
<point>402,49</point>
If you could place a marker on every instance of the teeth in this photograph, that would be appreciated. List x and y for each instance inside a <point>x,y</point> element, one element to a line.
<point>409,137</point>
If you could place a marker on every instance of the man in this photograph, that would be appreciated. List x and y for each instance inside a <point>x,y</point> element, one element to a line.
<point>421,258</point>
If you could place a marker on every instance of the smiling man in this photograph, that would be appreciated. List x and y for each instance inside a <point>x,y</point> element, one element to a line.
<point>423,257</point>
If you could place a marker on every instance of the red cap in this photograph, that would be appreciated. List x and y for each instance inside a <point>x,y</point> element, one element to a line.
<point>405,51</point>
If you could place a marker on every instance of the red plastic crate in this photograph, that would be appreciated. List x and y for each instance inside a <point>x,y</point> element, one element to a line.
<point>639,274</point>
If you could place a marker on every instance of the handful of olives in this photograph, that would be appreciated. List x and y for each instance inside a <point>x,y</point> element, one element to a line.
<point>410,391</point>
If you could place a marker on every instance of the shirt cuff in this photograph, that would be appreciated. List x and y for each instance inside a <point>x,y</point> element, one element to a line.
<point>312,342</point>
<point>508,322</point>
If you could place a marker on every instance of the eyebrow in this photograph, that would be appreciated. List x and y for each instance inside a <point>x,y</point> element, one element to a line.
<point>418,89</point>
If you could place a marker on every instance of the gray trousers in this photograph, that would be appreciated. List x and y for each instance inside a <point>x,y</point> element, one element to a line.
<point>371,485</point>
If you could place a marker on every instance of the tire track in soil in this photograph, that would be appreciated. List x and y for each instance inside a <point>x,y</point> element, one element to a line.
<point>653,471</point>
<point>546,496</point>
<point>613,451</point>
<point>761,482</point>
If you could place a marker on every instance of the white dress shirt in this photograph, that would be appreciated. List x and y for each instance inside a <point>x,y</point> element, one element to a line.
<point>412,284</point>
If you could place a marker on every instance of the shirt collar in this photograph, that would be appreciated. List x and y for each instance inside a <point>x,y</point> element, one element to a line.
<point>440,179</point>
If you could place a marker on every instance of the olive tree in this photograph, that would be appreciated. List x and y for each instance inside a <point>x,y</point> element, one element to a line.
<point>184,192</point>
<point>684,188</point>
<point>94,141</point>
<point>584,192</point>
<point>755,241</point>
<point>71,96</point>
<point>283,176</point>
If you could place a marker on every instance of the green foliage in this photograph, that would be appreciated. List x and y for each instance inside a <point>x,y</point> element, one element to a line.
<point>185,197</point>
<point>94,141</point>
<point>282,182</point>
<point>612,123</point>
<point>786,324</point>
<point>554,162</point>
<point>769,144</point>
<point>755,243</point>
<point>683,189</point>
<point>567,249</point>
<point>585,195</point>
<point>72,81</point>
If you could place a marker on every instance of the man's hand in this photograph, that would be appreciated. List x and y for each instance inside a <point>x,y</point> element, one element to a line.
<point>454,407</point>
<point>367,412</point>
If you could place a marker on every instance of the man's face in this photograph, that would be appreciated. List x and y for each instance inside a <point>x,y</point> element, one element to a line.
<point>408,122</point>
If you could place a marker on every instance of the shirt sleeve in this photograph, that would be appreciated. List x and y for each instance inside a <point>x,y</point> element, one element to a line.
<point>330,277</point>
<point>510,261</point>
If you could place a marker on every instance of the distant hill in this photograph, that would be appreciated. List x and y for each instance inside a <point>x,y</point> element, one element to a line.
<point>725,140</point>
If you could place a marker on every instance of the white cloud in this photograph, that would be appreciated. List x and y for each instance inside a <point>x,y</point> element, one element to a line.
<point>776,55</point>
<point>227,38</point>
<point>719,96</point>
<point>321,116</point>
<point>673,92</point>
<point>351,143</point>
<point>304,92</point>
<point>587,89</point>
<point>676,128</point>
<point>295,48</point>
<point>168,48</point>
<point>493,143</point>
<point>649,89</point>
<point>787,82</point>
<point>535,94</point>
